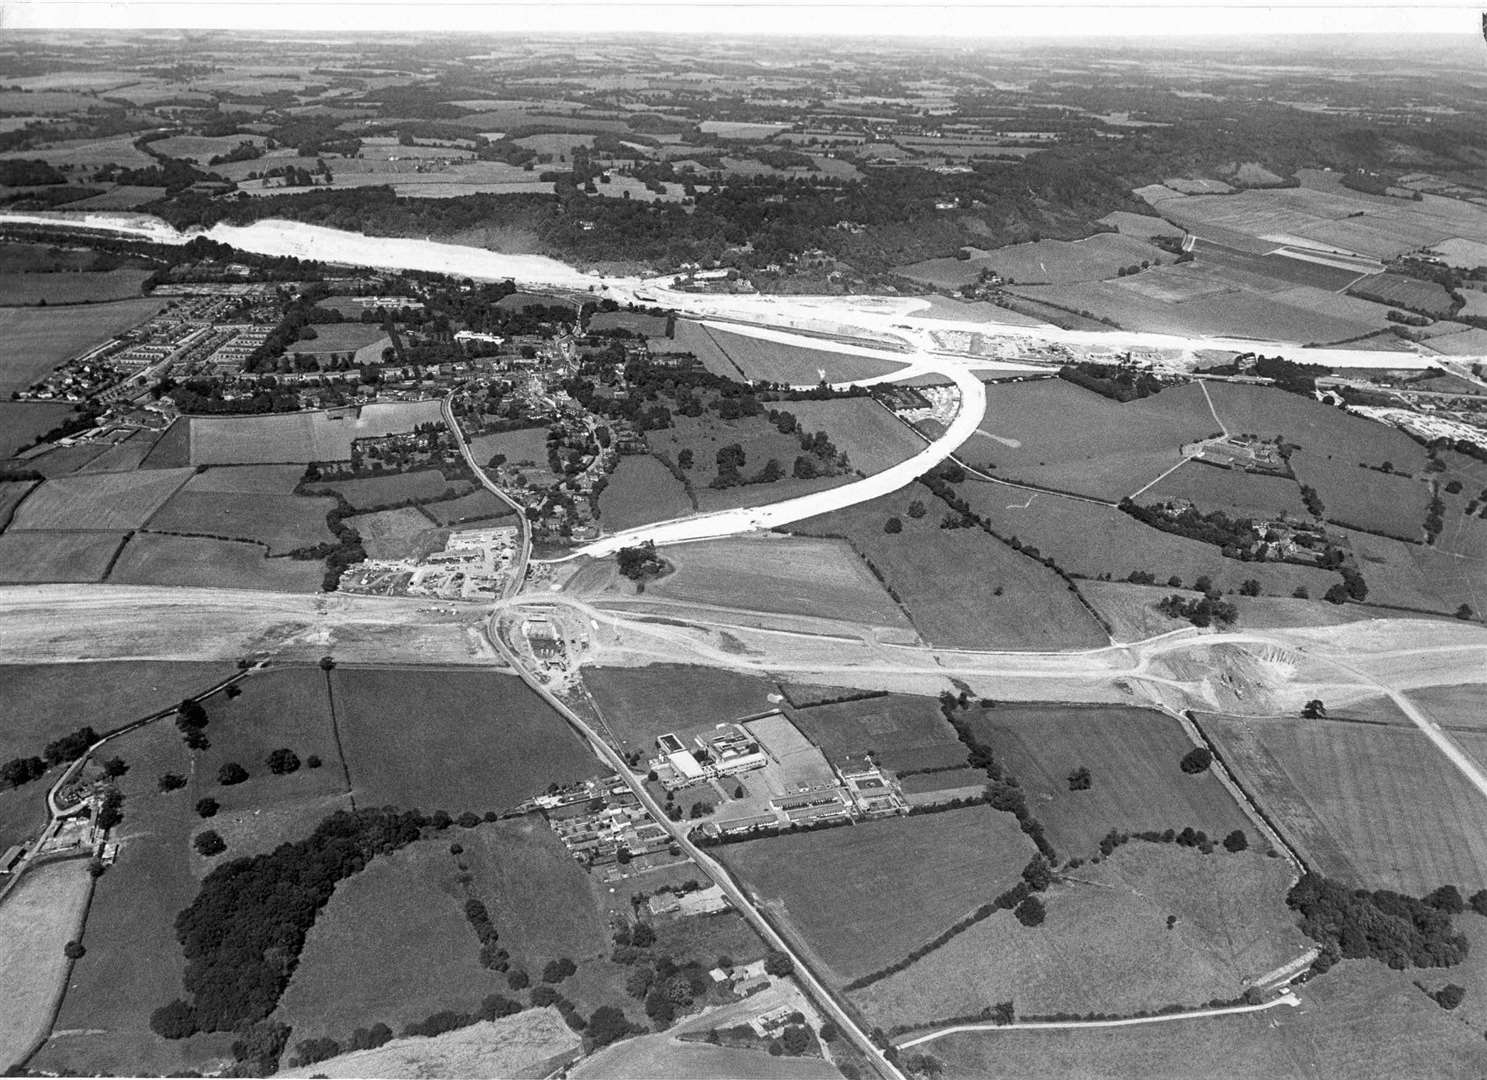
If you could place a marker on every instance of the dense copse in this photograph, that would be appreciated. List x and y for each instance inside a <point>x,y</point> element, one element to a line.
<point>243,933</point>
<point>1233,536</point>
<point>1289,376</point>
<point>1203,610</point>
<point>1397,930</point>
<point>29,174</point>
<point>1114,381</point>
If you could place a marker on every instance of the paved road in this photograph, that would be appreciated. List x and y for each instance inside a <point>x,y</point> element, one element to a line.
<point>1064,1025</point>
<point>715,871</point>
<point>523,526</point>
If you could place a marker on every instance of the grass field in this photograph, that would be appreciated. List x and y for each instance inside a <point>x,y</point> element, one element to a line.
<point>1132,755</point>
<point>872,437</point>
<point>126,455</point>
<point>23,422</point>
<point>1411,576</point>
<point>387,490</point>
<point>283,523</point>
<point>652,1056</point>
<point>36,920</point>
<point>1373,805</point>
<point>37,340</point>
<point>134,963</point>
<point>478,505</point>
<point>11,495</point>
<point>641,491</point>
<point>397,534</point>
<point>531,1042</point>
<point>642,702</point>
<point>637,322</point>
<point>301,437</point>
<point>1089,540</point>
<point>901,732</point>
<point>760,440</point>
<point>155,559</point>
<point>752,359</point>
<point>36,557</point>
<point>457,740</point>
<point>172,450</point>
<point>1046,261</point>
<point>1106,946</point>
<point>961,587</point>
<point>1232,491</point>
<point>54,461</point>
<point>1463,706</point>
<point>56,290</point>
<point>247,480</point>
<point>338,338</point>
<point>1427,296</point>
<point>100,501</point>
<point>1363,498</point>
<point>44,701</point>
<point>1358,1021</point>
<point>864,896</point>
<point>1268,412</point>
<point>789,575</point>
<point>525,450</point>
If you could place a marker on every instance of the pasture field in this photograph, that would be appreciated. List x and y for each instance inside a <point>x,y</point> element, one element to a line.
<point>1053,262</point>
<point>1363,498</point>
<point>1268,412</point>
<point>155,559</point>
<point>172,449</point>
<point>532,1042</point>
<point>246,480</point>
<point>37,340</point>
<point>1132,755</point>
<point>367,492</point>
<point>134,962</point>
<point>1407,292</point>
<point>872,437</point>
<point>525,450</point>
<point>1359,1021</point>
<point>397,534</point>
<point>641,491</point>
<point>695,338</point>
<point>903,733</point>
<point>35,557</point>
<point>1058,435</point>
<point>45,701</point>
<point>460,740</point>
<point>100,501</point>
<point>863,896</point>
<point>757,360</point>
<point>119,197</point>
<point>125,455</point>
<point>961,587</point>
<point>788,575</point>
<point>478,505</point>
<point>87,153</point>
<point>1461,707</point>
<point>650,1056</point>
<point>303,436</point>
<point>42,915</point>
<point>11,494</point>
<point>1410,576</point>
<point>1373,805</point>
<point>282,523</point>
<point>54,461</point>
<point>1106,946</point>
<point>637,322</point>
<point>1132,613</point>
<point>22,814</point>
<point>202,148</point>
<point>640,703</point>
<point>339,337</point>
<point>25,290</point>
<point>760,441</point>
<point>710,499</point>
<point>1089,540</point>
<point>1233,491</point>
<point>23,422</point>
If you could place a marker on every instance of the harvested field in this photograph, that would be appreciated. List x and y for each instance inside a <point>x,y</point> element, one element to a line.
<point>753,359</point>
<point>1089,540</point>
<point>301,437</point>
<point>1376,806</point>
<point>641,491</point>
<point>961,587</point>
<point>371,491</point>
<point>902,733</point>
<point>532,1042</point>
<point>34,557</point>
<point>1106,945</point>
<point>23,422</point>
<point>247,480</point>
<point>42,915</point>
<point>1132,755</point>
<point>1054,434</point>
<point>282,523</point>
<point>100,501</point>
<point>1359,1021</point>
<point>1235,492</point>
<point>154,559</point>
<point>481,742</point>
<point>640,703</point>
<point>479,505</point>
<point>862,897</point>
<point>792,576</point>
<point>1364,498</point>
<point>872,437</point>
<point>37,340</point>
<point>398,534</point>
<point>26,290</point>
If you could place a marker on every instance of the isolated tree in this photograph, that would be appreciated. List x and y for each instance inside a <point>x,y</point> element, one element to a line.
<point>115,767</point>
<point>1449,996</point>
<point>283,761</point>
<point>1030,912</point>
<point>327,663</point>
<point>778,964</point>
<point>73,950</point>
<point>209,842</point>
<point>916,509</point>
<point>795,1039</point>
<point>1197,760</point>
<point>172,781</point>
<point>231,773</point>
<point>893,525</point>
<point>1079,779</point>
<point>1249,587</point>
<point>1313,710</point>
<point>1236,841</point>
<point>1464,611</point>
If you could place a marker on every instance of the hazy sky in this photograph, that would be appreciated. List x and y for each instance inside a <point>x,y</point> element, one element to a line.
<point>948,18</point>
